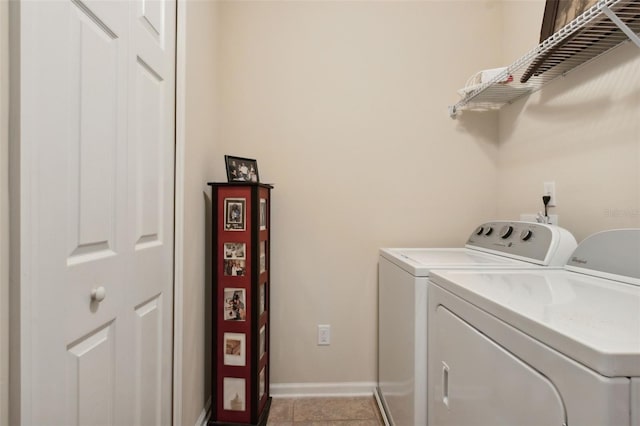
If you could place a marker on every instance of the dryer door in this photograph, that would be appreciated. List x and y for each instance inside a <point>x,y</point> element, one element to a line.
<point>477,382</point>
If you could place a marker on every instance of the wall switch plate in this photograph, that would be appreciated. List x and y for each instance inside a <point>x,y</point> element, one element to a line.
<point>324,334</point>
<point>549,188</point>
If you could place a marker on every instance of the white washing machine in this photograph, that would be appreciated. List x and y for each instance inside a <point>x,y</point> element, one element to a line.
<point>402,302</point>
<point>539,347</point>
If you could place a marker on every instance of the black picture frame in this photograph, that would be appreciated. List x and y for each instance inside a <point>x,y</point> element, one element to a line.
<point>558,13</point>
<point>235,214</point>
<point>240,169</point>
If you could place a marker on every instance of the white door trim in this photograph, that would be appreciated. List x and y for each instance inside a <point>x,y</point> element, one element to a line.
<point>178,286</point>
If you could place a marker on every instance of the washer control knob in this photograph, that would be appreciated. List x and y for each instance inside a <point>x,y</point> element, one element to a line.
<point>479,230</point>
<point>506,231</point>
<point>526,234</point>
<point>488,231</point>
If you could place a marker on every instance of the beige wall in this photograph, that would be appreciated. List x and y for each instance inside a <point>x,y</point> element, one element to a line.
<point>4,213</point>
<point>200,140</point>
<point>581,131</point>
<point>344,104</point>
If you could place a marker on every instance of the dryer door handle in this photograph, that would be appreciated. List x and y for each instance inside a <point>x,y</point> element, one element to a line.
<point>445,384</point>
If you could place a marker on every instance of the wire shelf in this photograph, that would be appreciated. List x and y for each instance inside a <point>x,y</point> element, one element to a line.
<point>601,28</point>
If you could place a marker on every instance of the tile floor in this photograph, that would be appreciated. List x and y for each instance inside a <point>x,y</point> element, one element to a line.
<point>352,411</point>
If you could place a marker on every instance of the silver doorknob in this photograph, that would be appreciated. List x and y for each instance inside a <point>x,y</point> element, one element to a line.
<point>98,294</point>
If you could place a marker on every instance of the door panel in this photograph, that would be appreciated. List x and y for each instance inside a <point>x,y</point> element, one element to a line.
<point>152,17</point>
<point>149,119</point>
<point>149,362</point>
<point>91,369</point>
<point>95,86</point>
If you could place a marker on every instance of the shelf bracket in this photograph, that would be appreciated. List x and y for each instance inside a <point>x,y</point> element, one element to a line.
<point>625,29</point>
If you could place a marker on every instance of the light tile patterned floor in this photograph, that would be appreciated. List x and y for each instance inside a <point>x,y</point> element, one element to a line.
<point>324,412</point>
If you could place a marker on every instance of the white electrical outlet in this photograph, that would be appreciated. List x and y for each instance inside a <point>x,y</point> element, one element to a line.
<point>324,334</point>
<point>550,189</point>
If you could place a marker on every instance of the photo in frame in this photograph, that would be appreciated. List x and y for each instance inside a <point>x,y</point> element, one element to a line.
<point>263,298</point>
<point>236,251</point>
<point>235,349</point>
<point>558,13</point>
<point>262,384</point>
<point>263,256</point>
<point>235,268</point>
<point>263,214</point>
<point>263,341</point>
<point>234,390</point>
<point>241,169</point>
<point>234,304</point>
<point>234,214</point>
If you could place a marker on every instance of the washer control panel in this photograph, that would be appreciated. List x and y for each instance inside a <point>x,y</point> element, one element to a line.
<point>529,241</point>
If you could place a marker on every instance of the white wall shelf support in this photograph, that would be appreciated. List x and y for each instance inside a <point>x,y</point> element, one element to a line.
<point>624,27</point>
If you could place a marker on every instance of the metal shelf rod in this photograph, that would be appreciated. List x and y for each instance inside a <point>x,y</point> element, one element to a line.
<point>625,29</point>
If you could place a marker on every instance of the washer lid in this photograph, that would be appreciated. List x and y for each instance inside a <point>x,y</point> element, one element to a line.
<point>419,261</point>
<point>592,320</point>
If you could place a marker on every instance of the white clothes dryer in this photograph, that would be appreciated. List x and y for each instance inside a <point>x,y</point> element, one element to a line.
<point>402,302</point>
<point>539,347</point>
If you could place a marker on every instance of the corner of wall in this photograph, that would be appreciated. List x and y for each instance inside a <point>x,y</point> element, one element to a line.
<point>11,52</point>
<point>196,131</point>
<point>4,213</point>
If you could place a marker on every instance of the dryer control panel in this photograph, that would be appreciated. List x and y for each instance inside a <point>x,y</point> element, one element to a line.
<point>529,241</point>
<point>613,254</point>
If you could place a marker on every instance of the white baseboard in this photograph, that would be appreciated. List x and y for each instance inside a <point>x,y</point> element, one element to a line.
<point>204,415</point>
<point>301,390</point>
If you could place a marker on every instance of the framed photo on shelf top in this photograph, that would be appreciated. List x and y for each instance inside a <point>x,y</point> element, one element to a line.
<point>241,169</point>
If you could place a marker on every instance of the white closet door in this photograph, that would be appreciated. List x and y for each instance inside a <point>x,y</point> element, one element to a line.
<point>97,160</point>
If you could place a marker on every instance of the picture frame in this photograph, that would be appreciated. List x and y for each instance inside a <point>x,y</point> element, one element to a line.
<point>235,255</point>
<point>263,342</point>
<point>235,214</point>
<point>241,169</point>
<point>263,214</point>
<point>558,13</point>
<point>263,299</point>
<point>235,345</point>
<point>235,302</point>
<point>235,268</point>
<point>235,251</point>
<point>263,256</point>
<point>262,384</point>
<point>234,394</point>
